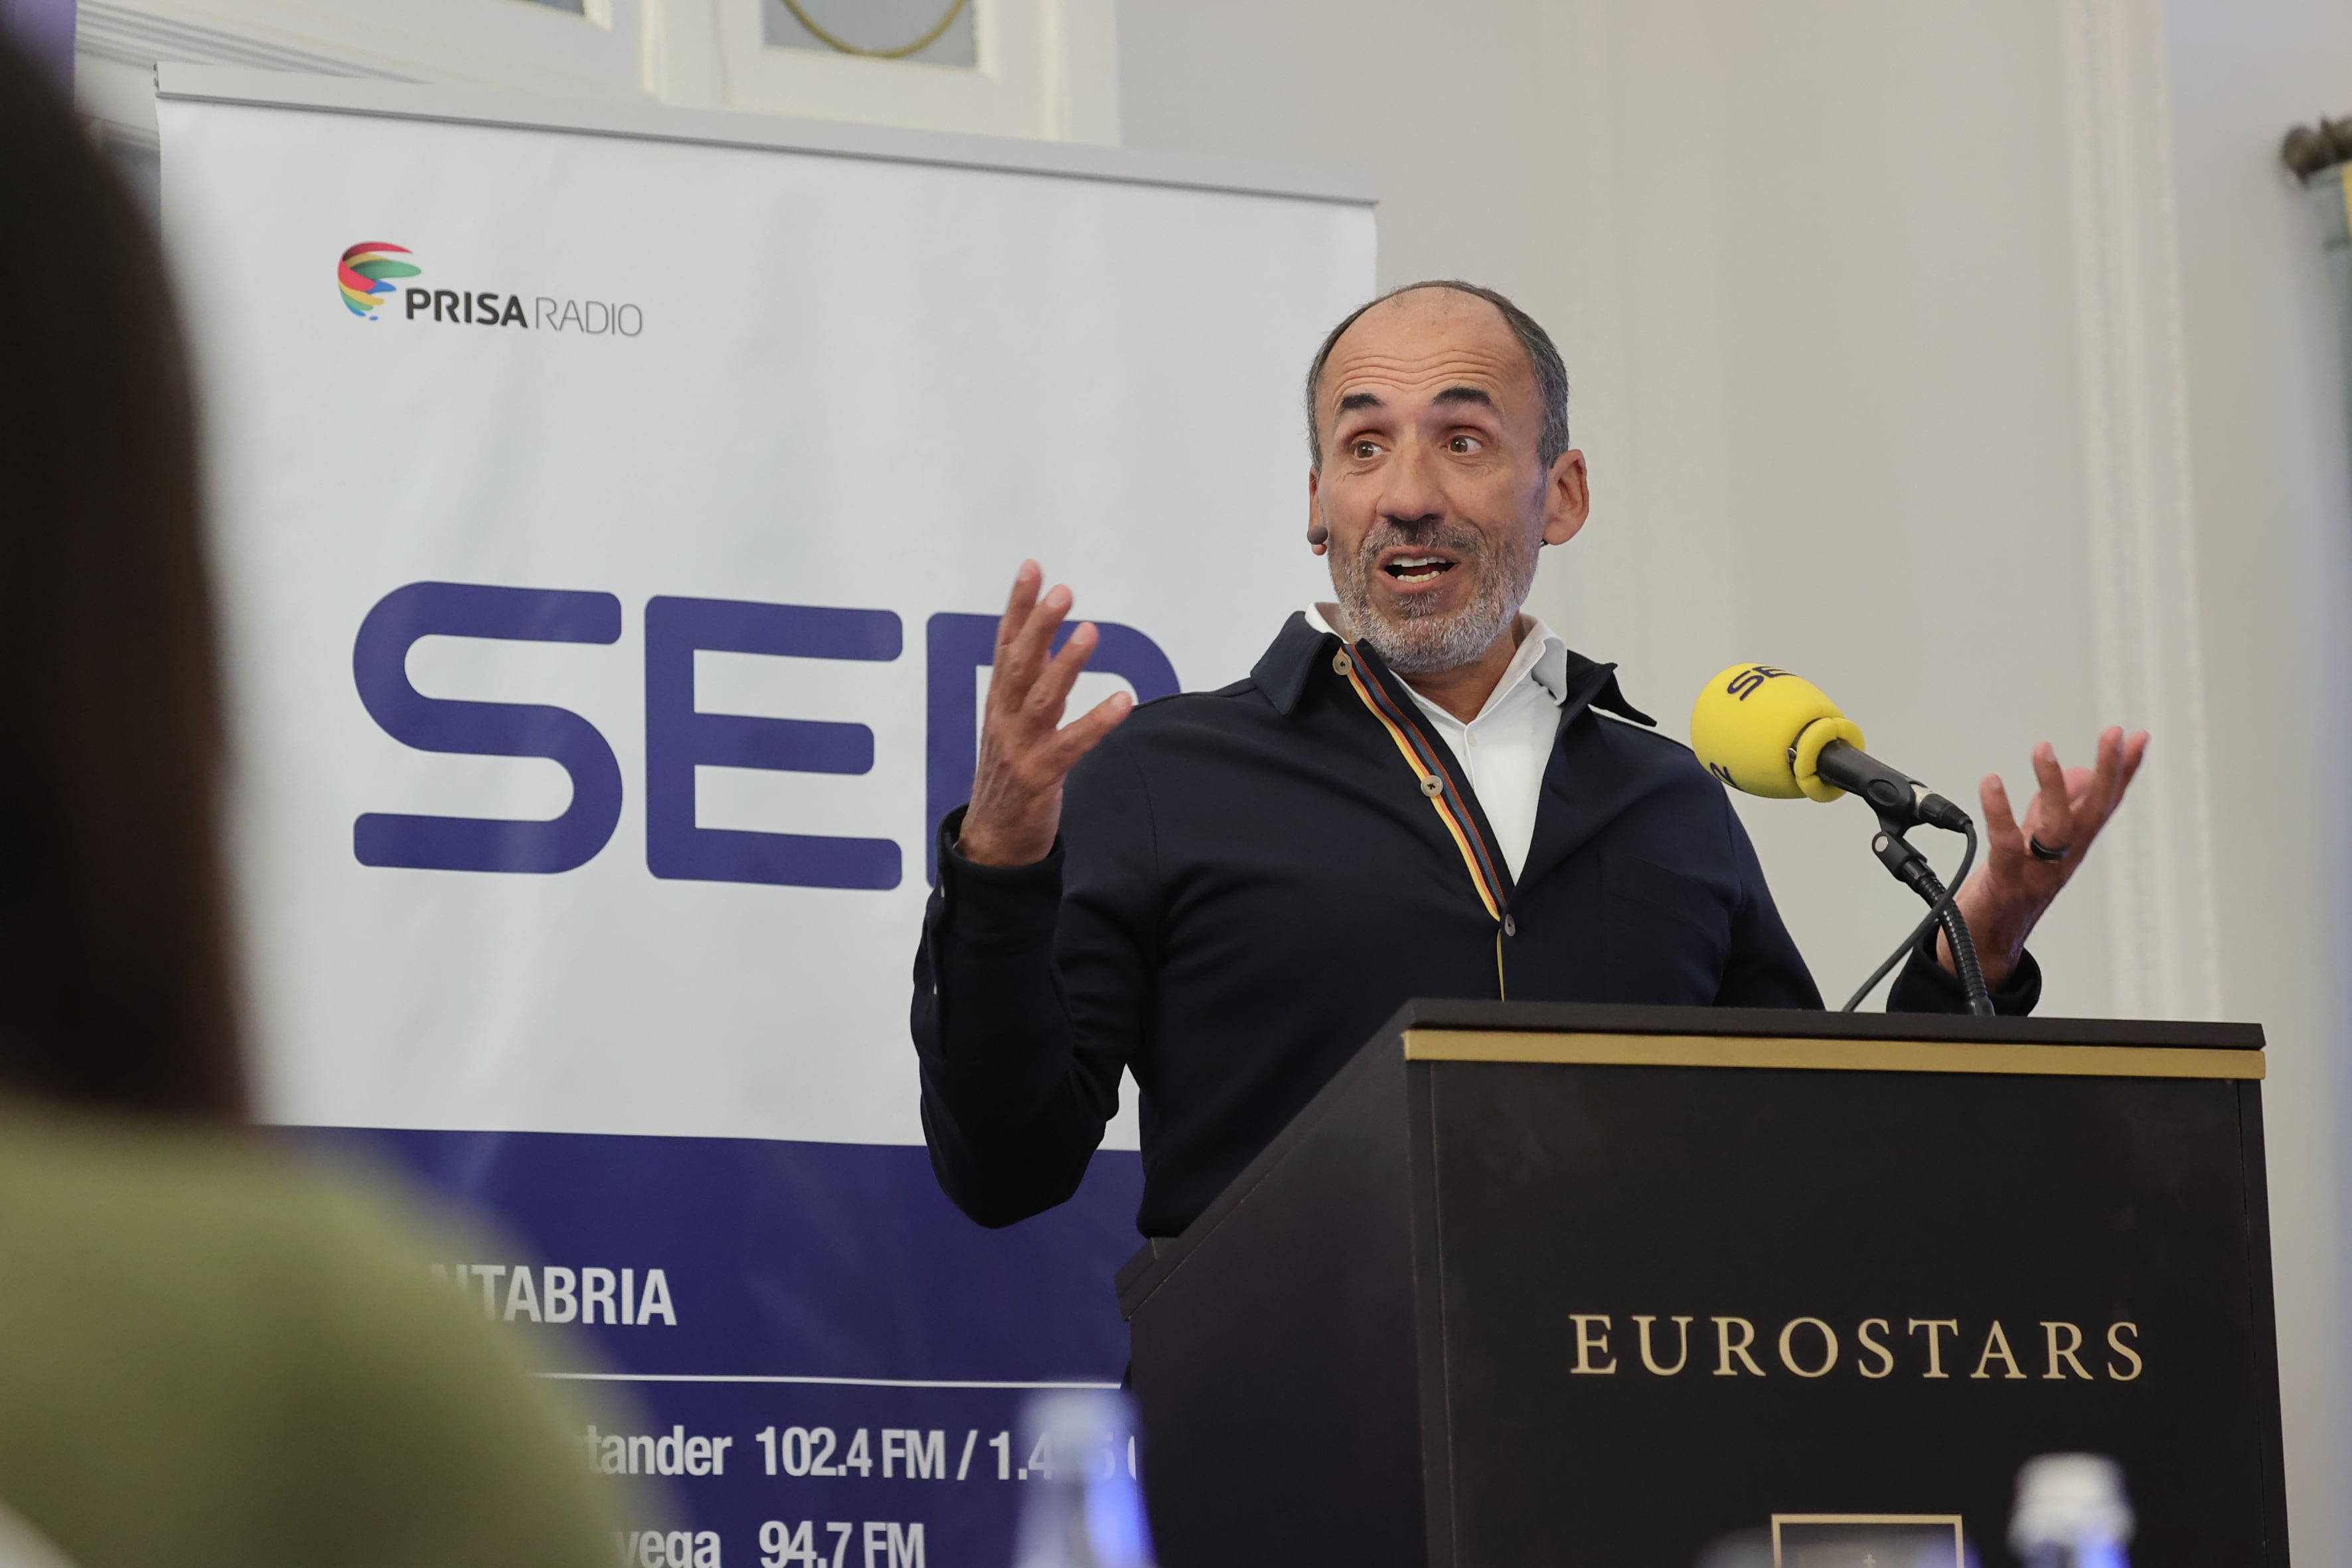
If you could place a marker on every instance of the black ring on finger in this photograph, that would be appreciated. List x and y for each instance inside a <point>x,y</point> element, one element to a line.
<point>2042,852</point>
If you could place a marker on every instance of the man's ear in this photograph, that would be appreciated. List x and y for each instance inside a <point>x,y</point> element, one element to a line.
<point>1568,498</point>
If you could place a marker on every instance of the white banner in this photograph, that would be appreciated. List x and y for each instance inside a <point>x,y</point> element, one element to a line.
<point>608,531</point>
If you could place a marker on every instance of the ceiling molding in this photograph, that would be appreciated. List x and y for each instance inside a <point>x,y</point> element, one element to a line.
<point>112,31</point>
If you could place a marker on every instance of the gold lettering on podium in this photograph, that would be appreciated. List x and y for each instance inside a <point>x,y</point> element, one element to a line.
<point>1587,1343</point>
<point>1934,1327</point>
<point>2124,1351</point>
<point>1996,1344</point>
<point>1725,1348</point>
<point>2064,1353</point>
<point>1682,1349</point>
<point>1876,1347</point>
<point>1828,1347</point>
<point>1814,1347</point>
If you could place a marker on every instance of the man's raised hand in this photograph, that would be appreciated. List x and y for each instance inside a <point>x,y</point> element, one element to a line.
<point>2015,886</point>
<point>1025,751</point>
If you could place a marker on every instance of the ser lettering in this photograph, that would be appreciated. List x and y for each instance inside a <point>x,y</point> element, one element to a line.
<point>680,737</point>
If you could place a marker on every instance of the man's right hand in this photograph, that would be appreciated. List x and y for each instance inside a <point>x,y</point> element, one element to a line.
<point>1025,751</point>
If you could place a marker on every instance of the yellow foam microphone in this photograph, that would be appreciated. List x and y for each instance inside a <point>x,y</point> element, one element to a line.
<point>1762,729</point>
<point>1765,731</point>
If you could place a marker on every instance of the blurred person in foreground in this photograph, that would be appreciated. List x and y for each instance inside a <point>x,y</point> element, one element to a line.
<point>208,1354</point>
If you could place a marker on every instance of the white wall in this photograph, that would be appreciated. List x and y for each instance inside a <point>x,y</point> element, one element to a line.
<point>2274,502</point>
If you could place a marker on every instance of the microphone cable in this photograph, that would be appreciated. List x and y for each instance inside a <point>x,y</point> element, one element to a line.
<point>1943,910</point>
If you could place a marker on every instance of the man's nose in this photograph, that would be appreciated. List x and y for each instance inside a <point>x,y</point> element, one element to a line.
<point>1413,496</point>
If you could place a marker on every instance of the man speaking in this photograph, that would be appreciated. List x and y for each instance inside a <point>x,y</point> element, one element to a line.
<point>1418,792</point>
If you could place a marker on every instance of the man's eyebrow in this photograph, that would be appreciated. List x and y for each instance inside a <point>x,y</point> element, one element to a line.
<point>1464,395</point>
<point>1356,400</point>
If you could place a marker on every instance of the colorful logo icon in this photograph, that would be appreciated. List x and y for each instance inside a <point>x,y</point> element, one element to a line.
<point>366,272</point>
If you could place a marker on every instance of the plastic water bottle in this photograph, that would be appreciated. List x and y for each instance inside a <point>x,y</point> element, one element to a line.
<point>2071,1513</point>
<point>1084,1508</point>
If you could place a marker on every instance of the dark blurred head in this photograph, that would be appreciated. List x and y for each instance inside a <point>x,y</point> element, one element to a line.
<point>115,971</point>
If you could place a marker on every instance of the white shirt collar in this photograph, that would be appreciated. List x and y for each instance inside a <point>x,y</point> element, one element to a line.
<point>1541,658</point>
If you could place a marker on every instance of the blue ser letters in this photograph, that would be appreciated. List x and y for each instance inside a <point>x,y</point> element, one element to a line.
<point>380,666</point>
<point>678,739</point>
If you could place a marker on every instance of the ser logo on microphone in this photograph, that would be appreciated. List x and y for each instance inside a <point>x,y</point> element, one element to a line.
<point>1742,684</point>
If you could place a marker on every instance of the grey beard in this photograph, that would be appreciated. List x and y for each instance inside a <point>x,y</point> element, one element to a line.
<point>1426,642</point>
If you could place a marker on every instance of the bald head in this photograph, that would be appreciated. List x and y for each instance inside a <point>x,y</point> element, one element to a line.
<point>1468,313</point>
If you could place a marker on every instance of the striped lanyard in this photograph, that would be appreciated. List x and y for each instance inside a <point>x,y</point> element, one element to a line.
<point>1437,786</point>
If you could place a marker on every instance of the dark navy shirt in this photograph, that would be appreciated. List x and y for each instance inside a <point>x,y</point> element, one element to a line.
<point>1248,882</point>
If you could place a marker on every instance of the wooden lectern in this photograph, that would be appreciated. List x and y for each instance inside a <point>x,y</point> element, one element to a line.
<point>1594,1286</point>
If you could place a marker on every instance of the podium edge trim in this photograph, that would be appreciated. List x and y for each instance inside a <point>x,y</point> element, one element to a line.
<point>1601,1049</point>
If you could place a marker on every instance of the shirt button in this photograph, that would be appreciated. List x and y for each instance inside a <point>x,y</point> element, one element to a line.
<point>1431,785</point>
<point>1510,926</point>
<point>1340,664</point>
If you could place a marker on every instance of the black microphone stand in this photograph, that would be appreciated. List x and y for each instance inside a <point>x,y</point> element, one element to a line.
<point>1907,866</point>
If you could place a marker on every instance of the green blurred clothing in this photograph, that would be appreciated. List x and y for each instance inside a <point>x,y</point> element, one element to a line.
<point>211,1352</point>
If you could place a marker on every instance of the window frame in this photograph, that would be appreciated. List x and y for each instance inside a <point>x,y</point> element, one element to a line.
<point>1048,69</point>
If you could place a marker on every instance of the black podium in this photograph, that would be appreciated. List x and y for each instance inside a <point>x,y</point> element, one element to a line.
<point>1653,1288</point>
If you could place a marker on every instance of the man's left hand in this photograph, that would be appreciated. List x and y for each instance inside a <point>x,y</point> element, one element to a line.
<point>2008,893</point>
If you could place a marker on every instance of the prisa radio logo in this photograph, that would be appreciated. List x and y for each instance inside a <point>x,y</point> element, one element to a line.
<point>366,275</point>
